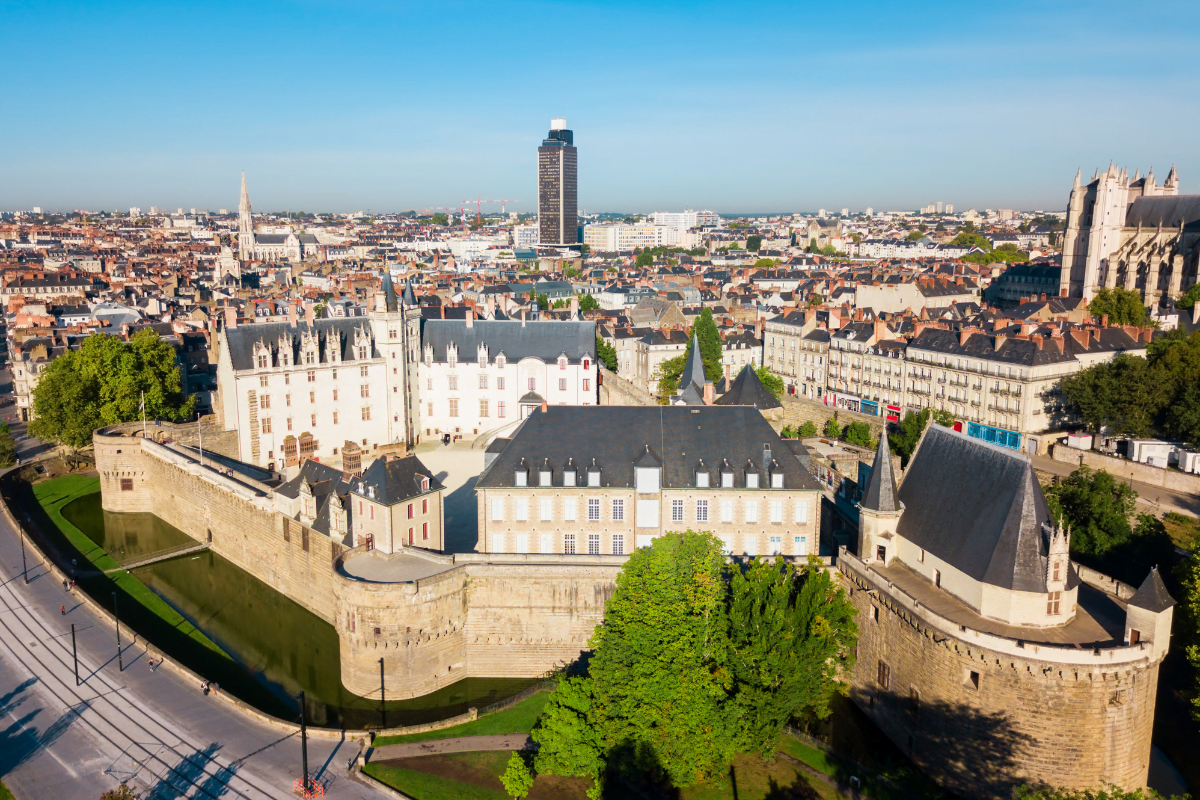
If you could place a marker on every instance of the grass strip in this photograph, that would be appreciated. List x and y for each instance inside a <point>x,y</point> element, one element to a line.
<point>56,493</point>
<point>518,719</point>
<point>5,794</point>
<point>423,786</point>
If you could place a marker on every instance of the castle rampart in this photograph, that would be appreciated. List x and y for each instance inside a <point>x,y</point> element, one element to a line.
<point>983,713</point>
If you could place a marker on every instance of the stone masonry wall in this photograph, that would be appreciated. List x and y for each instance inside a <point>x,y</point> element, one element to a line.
<point>1122,468</point>
<point>798,410</point>
<point>981,722</point>
<point>616,391</point>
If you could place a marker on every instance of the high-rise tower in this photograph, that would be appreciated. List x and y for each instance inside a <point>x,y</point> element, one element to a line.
<point>558,163</point>
<point>245,225</point>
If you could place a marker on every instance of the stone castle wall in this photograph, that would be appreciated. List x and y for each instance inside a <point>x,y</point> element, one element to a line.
<point>616,391</point>
<point>982,720</point>
<point>799,410</point>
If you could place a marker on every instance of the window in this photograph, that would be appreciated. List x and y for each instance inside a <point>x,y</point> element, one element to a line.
<point>701,511</point>
<point>914,701</point>
<point>289,423</point>
<point>312,377</point>
<point>424,530</point>
<point>776,480</point>
<point>522,543</point>
<point>676,511</point>
<point>429,383</point>
<point>500,382</point>
<point>562,384</point>
<point>546,509</point>
<point>497,510</point>
<point>425,502</point>
<point>921,556</point>
<point>593,509</point>
<point>726,480</point>
<point>287,398</point>
<point>1057,566</point>
<point>546,541</point>
<point>568,506</point>
<point>777,511</point>
<point>483,408</point>
<point>593,544</point>
<point>362,371</point>
<point>483,380</point>
<point>262,380</point>
<point>618,544</point>
<point>126,484</point>
<point>647,480</point>
<point>521,509</point>
<point>1053,601</point>
<point>726,511</point>
<point>366,414</point>
<point>533,384</point>
<point>701,480</point>
<point>751,511</point>
<point>801,543</point>
<point>569,543</point>
<point>312,397</point>
<point>802,511</point>
<point>335,417</point>
<point>454,406</point>
<point>266,425</point>
<point>776,545</point>
<point>335,396</point>
<point>587,384</point>
<point>885,675</point>
<point>453,380</point>
<point>500,409</point>
<point>618,510</point>
<point>335,374</point>
<point>751,480</point>
<point>264,401</point>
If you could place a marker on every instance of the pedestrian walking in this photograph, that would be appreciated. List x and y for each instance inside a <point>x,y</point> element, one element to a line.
<point>63,610</point>
<point>64,584</point>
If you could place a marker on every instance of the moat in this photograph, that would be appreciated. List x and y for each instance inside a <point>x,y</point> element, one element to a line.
<point>281,647</point>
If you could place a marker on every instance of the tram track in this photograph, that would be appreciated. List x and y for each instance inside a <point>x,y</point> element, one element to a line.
<point>194,773</point>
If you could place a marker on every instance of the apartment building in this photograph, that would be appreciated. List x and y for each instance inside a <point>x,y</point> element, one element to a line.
<point>845,375</point>
<point>603,480</point>
<point>796,350</point>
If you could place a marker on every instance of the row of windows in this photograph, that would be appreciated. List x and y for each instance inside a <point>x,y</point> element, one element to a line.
<point>265,380</point>
<point>700,511</point>
<point>574,544</point>
<point>268,425</point>
<point>264,400</point>
<point>452,383</point>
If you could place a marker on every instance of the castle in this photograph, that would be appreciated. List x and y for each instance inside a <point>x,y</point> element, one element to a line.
<point>985,652</point>
<point>1131,234</point>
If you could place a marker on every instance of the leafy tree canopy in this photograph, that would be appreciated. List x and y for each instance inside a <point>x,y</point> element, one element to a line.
<point>669,372</point>
<point>765,263</point>
<point>1123,306</point>
<point>915,236</point>
<point>102,384</point>
<point>754,242</point>
<point>588,302</point>
<point>770,381</point>
<point>645,259</point>
<point>606,354</point>
<point>517,779</point>
<point>1024,792</point>
<point>807,430</point>
<point>711,352</point>
<point>1189,298</point>
<point>904,442</point>
<point>857,433</point>
<point>697,662</point>
<point>832,429</point>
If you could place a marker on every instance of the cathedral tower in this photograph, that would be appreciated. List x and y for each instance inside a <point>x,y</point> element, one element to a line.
<point>245,225</point>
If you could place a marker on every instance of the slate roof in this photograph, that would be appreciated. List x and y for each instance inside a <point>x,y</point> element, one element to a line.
<point>544,340</point>
<point>617,436</point>
<point>334,331</point>
<point>1152,595</point>
<point>394,480</point>
<point>978,507</point>
<point>880,492</point>
<point>1150,212</point>
<point>748,390</point>
<point>1020,351</point>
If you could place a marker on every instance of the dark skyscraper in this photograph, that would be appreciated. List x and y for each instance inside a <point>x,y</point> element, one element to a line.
<point>558,167</point>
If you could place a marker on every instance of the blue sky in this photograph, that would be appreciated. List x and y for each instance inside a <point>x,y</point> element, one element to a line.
<point>352,105</point>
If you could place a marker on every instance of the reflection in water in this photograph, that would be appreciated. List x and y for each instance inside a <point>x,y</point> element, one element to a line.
<point>283,646</point>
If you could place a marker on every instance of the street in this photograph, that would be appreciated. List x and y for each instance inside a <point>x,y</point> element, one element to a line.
<point>1150,498</point>
<point>149,727</point>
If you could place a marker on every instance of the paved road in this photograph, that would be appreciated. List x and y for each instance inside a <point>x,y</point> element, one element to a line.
<point>151,727</point>
<point>1150,498</point>
<point>460,744</point>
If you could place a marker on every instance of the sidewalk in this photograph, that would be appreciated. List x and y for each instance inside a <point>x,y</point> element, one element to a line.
<point>461,744</point>
<point>1150,498</point>
<point>150,727</point>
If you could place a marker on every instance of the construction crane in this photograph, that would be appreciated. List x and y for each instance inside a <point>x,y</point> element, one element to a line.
<point>502,201</point>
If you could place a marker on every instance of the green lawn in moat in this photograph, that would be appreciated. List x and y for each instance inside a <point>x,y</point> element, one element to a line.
<point>520,718</point>
<point>56,493</point>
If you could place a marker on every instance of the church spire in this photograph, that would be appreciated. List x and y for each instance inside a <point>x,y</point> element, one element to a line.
<point>245,224</point>
<point>244,201</point>
<point>1078,175</point>
<point>880,493</point>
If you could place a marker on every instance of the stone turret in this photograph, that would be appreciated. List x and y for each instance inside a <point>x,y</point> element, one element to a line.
<point>879,509</point>
<point>1148,615</point>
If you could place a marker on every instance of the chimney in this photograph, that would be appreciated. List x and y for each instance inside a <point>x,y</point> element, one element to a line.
<point>544,406</point>
<point>1057,340</point>
<point>709,393</point>
<point>1083,336</point>
<point>881,331</point>
<point>574,306</point>
<point>1062,292</point>
<point>1104,320</point>
<point>1038,340</point>
<point>1146,335</point>
<point>727,376</point>
<point>522,318</point>
<point>1043,297</point>
<point>230,317</point>
<point>758,329</point>
<point>310,313</point>
<point>470,318</point>
<point>1000,340</point>
<point>442,310</point>
<point>965,334</point>
<point>291,314</point>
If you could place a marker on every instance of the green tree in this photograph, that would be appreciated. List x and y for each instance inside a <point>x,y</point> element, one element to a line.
<point>8,446</point>
<point>1123,306</point>
<point>122,792</point>
<point>517,778</point>
<point>766,263</point>
<point>829,250</point>
<point>585,249</point>
<point>857,433</point>
<point>915,236</point>
<point>832,429</point>
<point>770,381</point>
<point>793,636</point>
<point>1189,298</point>
<point>1123,396</point>
<point>711,352</point>
<point>606,354</point>
<point>816,300</point>
<point>588,302</point>
<point>753,242</point>
<point>807,431</point>
<point>669,372</point>
<point>543,301</point>
<point>439,219</point>
<point>103,382</point>
<point>645,259</point>
<point>567,742</point>
<point>1183,417</point>
<point>1188,575</point>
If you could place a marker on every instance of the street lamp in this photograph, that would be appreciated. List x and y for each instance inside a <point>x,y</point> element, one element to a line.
<point>382,697</point>
<point>117,617</point>
<point>303,746</point>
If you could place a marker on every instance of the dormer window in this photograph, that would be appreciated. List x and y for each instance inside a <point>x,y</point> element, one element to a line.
<point>500,361</point>
<point>776,479</point>
<point>726,476</point>
<point>647,479</point>
<point>562,362</point>
<point>568,477</point>
<point>452,356</point>
<point>545,478</point>
<point>702,476</point>
<point>587,363</point>
<point>751,480</point>
<point>521,477</point>
<point>593,474</point>
<point>424,483</point>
